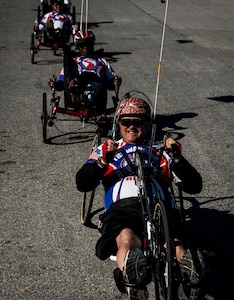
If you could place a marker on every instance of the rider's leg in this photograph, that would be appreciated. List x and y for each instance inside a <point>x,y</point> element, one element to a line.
<point>177,232</point>
<point>50,30</point>
<point>126,240</point>
<point>133,264</point>
<point>101,101</point>
<point>66,32</point>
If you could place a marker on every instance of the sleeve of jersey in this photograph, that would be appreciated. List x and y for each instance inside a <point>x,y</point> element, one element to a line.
<point>42,24</point>
<point>88,177</point>
<point>109,71</point>
<point>191,179</point>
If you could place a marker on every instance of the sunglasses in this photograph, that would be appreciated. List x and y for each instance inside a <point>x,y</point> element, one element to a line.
<point>134,122</point>
<point>85,44</point>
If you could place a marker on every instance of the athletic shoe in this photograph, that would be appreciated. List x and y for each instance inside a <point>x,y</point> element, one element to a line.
<point>192,267</point>
<point>136,272</point>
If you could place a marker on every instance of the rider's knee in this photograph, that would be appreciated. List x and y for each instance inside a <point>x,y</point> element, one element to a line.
<point>128,237</point>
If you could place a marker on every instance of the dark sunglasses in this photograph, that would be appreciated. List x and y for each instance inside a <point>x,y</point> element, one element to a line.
<point>87,44</point>
<point>134,122</point>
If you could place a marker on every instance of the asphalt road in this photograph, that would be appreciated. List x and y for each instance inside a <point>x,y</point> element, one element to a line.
<point>45,253</point>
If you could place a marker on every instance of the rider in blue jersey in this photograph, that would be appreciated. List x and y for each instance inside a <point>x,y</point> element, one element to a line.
<point>122,221</point>
<point>88,71</point>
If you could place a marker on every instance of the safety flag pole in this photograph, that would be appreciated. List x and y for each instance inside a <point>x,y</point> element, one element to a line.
<point>86,20</point>
<point>81,15</point>
<point>86,14</point>
<point>153,134</point>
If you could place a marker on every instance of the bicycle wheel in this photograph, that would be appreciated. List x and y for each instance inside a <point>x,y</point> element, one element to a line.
<point>74,14</point>
<point>44,117</point>
<point>32,48</point>
<point>163,256</point>
<point>87,197</point>
<point>38,14</point>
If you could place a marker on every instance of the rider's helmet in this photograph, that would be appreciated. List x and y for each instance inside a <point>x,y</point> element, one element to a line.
<point>61,2</point>
<point>84,37</point>
<point>132,106</point>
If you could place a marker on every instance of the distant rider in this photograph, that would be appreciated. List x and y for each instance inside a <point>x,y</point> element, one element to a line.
<point>87,68</point>
<point>57,23</point>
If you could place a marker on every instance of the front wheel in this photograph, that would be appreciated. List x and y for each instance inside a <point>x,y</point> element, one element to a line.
<point>87,197</point>
<point>74,14</point>
<point>163,255</point>
<point>32,48</point>
<point>44,117</point>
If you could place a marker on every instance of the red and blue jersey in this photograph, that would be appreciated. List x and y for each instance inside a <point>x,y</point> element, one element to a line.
<point>58,20</point>
<point>125,185</point>
<point>96,65</point>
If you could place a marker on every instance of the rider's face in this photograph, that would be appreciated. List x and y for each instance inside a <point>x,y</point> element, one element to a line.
<point>85,50</point>
<point>57,7</point>
<point>133,129</point>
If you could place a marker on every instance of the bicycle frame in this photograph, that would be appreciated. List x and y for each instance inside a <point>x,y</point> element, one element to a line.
<point>157,244</point>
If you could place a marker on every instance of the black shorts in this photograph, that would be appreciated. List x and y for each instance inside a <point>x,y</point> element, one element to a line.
<point>117,218</point>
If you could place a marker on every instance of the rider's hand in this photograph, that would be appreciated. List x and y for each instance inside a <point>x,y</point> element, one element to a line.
<point>52,81</point>
<point>76,28</point>
<point>109,148</point>
<point>117,80</point>
<point>73,83</point>
<point>173,148</point>
<point>35,27</point>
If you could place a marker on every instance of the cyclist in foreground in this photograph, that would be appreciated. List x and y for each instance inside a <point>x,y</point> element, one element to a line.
<point>122,221</point>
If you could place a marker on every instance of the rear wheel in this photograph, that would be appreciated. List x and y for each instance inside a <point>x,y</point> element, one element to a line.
<point>87,197</point>
<point>44,117</point>
<point>163,255</point>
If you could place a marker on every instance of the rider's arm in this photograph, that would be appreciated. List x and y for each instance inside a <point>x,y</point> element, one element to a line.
<point>189,176</point>
<point>89,176</point>
<point>111,77</point>
<point>70,67</point>
<point>42,24</point>
<point>191,181</point>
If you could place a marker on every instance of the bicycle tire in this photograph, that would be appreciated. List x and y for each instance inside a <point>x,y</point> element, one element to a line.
<point>32,49</point>
<point>163,256</point>
<point>87,197</point>
<point>38,14</point>
<point>67,97</point>
<point>74,14</point>
<point>44,117</point>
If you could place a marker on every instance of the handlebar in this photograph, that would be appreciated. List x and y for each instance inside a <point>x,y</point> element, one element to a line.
<point>147,169</point>
<point>173,152</point>
<point>131,164</point>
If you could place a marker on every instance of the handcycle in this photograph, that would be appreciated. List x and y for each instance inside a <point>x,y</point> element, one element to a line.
<point>158,244</point>
<point>46,43</point>
<point>77,104</point>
